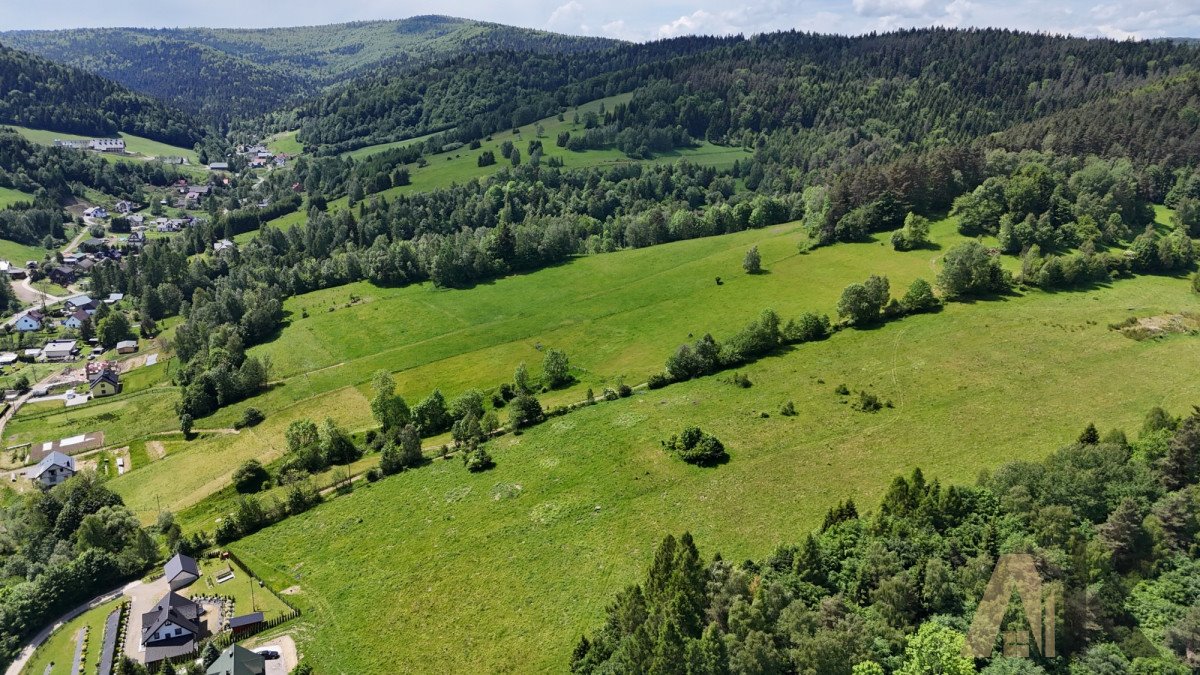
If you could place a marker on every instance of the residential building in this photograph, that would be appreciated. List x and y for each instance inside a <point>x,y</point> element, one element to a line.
<point>219,166</point>
<point>127,346</point>
<point>173,628</point>
<point>52,470</point>
<point>59,350</point>
<point>107,383</point>
<point>237,660</point>
<point>79,302</point>
<point>223,245</point>
<point>75,320</point>
<point>62,275</point>
<point>114,298</point>
<point>28,321</point>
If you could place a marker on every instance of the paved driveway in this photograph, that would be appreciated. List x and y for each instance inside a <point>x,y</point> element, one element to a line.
<point>142,598</point>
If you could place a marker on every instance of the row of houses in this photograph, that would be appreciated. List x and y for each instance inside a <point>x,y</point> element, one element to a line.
<point>260,156</point>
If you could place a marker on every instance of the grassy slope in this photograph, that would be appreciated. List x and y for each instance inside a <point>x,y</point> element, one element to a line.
<point>10,196</point>
<point>135,144</point>
<point>460,166</point>
<point>528,554</point>
<point>60,648</point>
<point>18,253</point>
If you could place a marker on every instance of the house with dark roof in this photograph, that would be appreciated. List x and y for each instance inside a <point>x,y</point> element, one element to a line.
<point>237,660</point>
<point>104,384</point>
<point>52,470</point>
<point>62,275</point>
<point>79,302</point>
<point>173,628</point>
<point>29,321</point>
<point>181,571</point>
<point>245,623</point>
<point>75,320</point>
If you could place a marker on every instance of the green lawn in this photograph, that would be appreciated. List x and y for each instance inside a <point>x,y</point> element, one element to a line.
<point>528,554</point>
<point>17,253</point>
<point>247,595</point>
<point>460,166</point>
<point>10,196</point>
<point>373,149</point>
<point>54,657</point>
<point>285,142</point>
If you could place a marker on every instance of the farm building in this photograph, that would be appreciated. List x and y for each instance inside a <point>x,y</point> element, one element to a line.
<point>127,346</point>
<point>52,470</point>
<point>181,571</point>
<point>8,358</point>
<point>237,660</point>
<point>219,166</point>
<point>245,623</point>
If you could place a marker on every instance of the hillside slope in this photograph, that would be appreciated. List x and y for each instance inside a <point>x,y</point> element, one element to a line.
<point>225,73</point>
<point>44,95</point>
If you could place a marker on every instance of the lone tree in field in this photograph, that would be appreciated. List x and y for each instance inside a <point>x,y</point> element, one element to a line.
<point>556,369</point>
<point>521,377</point>
<point>524,411</point>
<point>401,452</point>
<point>919,298</point>
<point>862,303</point>
<point>752,263</point>
<point>969,269</point>
<point>250,477</point>
<point>388,408</point>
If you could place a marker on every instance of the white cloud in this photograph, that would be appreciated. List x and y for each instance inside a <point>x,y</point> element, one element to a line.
<point>700,22</point>
<point>891,7</point>
<point>567,17</point>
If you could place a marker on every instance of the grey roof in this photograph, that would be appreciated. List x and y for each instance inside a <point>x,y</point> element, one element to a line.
<point>174,608</point>
<point>246,620</point>
<point>53,459</point>
<point>78,300</point>
<point>179,564</point>
<point>237,660</point>
<point>105,376</point>
<point>126,343</point>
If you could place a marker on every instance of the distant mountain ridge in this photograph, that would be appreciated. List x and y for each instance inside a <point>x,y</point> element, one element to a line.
<point>222,73</point>
<point>45,95</point>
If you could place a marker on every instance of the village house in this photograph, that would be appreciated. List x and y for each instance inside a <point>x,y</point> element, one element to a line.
<point>126,207</point>
<point>28,321</point>
<point>114,298</point>
<point>96,212</point>
<point>127,346</point>
<point>181,571</point>
<point>223,245</point>
<point>237,660</point>
<point>76,319</point>
<point>7,358</point>
<point>136,220</point>
<point>79,302</point>
<point>61,275</point>
<point>13,271</point>
<point>136,239</point>
<point>219,166</point>
<point>107,383</point>
<point>173,628</point>
<point>52,470</point>
<point>60,350</point>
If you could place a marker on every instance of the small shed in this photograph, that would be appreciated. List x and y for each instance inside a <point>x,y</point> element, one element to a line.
<point>245,623</point>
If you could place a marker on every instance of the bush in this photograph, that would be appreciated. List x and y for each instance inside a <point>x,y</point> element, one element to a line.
<point>742,381</point>
<point>788,409</point>
<point>478,459</point>
<point>842,390</point>
<point>250,477</point>
<point>868,402</point>
<point>609,394</point>
<point>624,390</point>
<point>373,474</point>
<point>920,298</point>
<point>525,411</point>
<point>970,269</point>
<point>251,417</point>
<point>658,381</point>
<point>696,447</point>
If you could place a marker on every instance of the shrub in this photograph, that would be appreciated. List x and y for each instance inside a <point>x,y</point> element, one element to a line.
<point>525,411</point>
<point>752,263</point>
<point>609,394</point>
<point>251,417</point>
<point>250,477</point>
<point>868,402</point>
<point>477,459</point>
<point>658,381</point>
<point>742,381</point>
<point>920,298</point>
<point>970,269</point>
<point>696,447</point>
<point>842,390</point>
<point>624,390</point>
<point>373,474</point>
<point>788,409</point>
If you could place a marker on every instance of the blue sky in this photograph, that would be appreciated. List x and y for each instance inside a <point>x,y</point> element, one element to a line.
<point>637,20</point>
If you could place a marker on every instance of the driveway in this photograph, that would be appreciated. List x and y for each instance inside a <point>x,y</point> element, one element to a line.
<point>142,597</point>
<point>286,646</point>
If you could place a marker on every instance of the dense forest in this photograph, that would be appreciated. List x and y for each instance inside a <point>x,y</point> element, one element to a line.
<point>45,95</point>
<point>226,74</point>
<point>819,102</point>
<point>1112,523</point>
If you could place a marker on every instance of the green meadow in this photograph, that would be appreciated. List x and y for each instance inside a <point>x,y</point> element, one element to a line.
<point>462,165</point>
<point>10,196</point>
<point>18,253</point>
<point>134,144</point>
<point>510,566</point>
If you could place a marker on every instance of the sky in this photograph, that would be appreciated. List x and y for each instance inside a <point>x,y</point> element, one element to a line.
<point>637,19</point>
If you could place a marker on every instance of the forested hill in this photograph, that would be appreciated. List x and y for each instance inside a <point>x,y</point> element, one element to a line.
<point>229,73</point>
<point>825,100</point>
<point>45,95</point>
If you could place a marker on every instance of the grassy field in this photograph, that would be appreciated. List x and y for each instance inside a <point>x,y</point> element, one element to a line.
<point>17,253</point>
<point>134,144</point>
<point>54,657</point>
<point>247,595</point>
<point>461,166</point>
<point>10,196</point>
<point>529,553</point>
<point>285,142</point>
